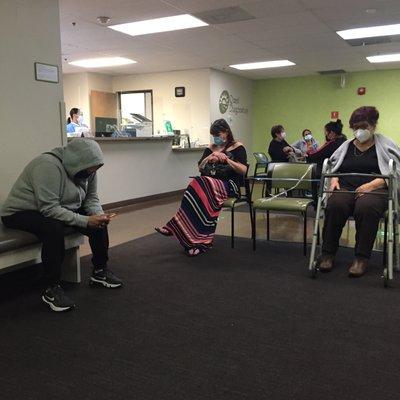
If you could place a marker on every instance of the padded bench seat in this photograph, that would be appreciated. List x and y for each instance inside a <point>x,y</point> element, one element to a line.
<point>18,248</point>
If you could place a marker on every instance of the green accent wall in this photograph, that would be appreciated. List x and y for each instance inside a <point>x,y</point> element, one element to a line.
<point>306,102</point>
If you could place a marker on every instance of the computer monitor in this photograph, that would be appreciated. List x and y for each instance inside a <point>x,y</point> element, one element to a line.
<point>104,126</point>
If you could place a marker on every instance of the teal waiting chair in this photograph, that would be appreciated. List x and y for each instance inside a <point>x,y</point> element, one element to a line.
<point>284,177</point>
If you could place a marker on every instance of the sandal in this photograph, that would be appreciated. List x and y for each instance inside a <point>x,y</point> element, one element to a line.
<point>163,231</point>
<point>193,252</point>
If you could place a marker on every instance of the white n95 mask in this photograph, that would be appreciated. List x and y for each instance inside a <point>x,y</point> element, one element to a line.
<point>363,135</point>
<point>308,137</point>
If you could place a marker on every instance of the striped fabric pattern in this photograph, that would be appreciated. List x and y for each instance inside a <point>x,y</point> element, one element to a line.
<point>196,220</point>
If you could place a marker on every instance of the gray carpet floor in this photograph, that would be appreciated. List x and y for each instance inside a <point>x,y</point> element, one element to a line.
<point>230,324</point>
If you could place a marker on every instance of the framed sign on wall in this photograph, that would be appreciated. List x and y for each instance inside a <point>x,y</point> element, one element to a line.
<point>180,91</point>
<point>46,72</point>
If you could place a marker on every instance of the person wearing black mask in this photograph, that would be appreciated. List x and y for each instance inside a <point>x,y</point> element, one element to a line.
<point>58,189</point>
<point>334,139</point>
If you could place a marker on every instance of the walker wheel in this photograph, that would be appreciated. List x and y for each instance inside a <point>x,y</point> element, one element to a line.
<point>313,270</point>
<point>385,277</point>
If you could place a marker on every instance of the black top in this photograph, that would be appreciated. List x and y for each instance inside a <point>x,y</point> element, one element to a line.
<point>238,154</point>
<point>275,150</point>
<point>325,151</point>
<point>355,160</point>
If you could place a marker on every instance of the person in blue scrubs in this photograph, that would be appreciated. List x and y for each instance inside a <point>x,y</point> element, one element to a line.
<point>73,121</point>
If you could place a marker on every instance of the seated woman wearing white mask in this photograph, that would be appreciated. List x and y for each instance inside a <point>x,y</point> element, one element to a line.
<point>307,143</point>
<point>279,149</point>
<point>367,153</point>
<point>196,220</point>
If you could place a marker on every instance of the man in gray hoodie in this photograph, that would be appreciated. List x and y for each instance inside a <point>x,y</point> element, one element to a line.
<point>55,190</point>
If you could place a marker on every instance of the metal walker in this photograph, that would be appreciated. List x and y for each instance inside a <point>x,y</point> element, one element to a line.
<point>392,257</point>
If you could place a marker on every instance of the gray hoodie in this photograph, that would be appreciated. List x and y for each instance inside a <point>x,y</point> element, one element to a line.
<point>48,184</point>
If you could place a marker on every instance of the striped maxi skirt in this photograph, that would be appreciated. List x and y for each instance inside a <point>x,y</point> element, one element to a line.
<point>196,220</point>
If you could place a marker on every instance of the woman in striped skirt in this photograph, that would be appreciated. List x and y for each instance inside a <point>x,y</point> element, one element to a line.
<point>196,220</point>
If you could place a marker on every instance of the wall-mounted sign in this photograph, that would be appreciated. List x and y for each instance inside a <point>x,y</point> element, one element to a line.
<point>46,72</point>
<point>232,104</point>
<point>361,91</point>
<point>334,114</point>
<point>180,91</point>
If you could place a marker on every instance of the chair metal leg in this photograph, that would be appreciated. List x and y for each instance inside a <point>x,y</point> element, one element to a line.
<point>318,236</point>
<point>384,259</point>
<point>254,229</point>
<point>251,216</point>
<point>305,234</point>
<point>232,227</point>
<point>267,225</point>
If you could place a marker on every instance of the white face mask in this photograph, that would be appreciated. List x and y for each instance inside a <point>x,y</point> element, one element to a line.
<point>308,137</point>
<point>283,135</point>
<point>80,120</point>
<point>363,135</point>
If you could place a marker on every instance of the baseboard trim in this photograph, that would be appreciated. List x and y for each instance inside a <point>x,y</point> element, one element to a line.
<point>143,200</point>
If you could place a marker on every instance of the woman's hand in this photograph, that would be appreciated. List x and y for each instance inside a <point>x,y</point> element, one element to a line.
<point>334,184</point>
<point>287,150</point>
<point>222,157</point>
<point>378,183</point>
<point>212,158</point>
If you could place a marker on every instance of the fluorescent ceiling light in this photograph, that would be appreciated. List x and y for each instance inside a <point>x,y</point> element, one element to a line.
<point>373,31</point>
<point>102,62</point>
<point>167,24</point>
<point>384,58</point>
<point>263,64</point>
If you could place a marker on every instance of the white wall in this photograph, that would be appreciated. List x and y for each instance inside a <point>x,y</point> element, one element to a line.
<point>239,89</point>
<point>77,88</point>
<point>29,109</point>
<point>191,112</point>
<point>76,94</point>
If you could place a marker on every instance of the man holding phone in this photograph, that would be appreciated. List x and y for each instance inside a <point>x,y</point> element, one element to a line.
<point>55,190</point>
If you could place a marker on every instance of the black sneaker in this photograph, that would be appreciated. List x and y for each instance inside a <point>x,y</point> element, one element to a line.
<point>106,278</point>
<point>57,300</point>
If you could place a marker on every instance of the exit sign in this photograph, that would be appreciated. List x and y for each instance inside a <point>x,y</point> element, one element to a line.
<point>334,114</point>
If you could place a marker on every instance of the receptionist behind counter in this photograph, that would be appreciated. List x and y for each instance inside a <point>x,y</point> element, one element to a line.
<point>75,125</point>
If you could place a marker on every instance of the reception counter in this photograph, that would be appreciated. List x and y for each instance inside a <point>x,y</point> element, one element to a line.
<point>141,167</point>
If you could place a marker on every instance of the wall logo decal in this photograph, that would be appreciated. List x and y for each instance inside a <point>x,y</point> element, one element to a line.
<point>224,100</point>
<point>232,104</point>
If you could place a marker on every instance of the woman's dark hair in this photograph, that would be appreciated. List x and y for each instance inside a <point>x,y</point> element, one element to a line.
<point>71,113</point>
<point>364,114</point>
<point>276,129</point>
<point>305,130</point>
<point>220,125</point>
<point>335,126</point>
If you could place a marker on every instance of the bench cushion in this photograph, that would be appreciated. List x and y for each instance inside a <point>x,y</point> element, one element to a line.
<point>11,239</point>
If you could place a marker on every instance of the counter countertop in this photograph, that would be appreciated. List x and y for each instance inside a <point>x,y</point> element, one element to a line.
<point>133,139</point>
<point>188,150</point>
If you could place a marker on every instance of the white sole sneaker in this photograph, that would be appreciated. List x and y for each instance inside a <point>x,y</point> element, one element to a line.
<point>94,281</point>
<point>55,308</point>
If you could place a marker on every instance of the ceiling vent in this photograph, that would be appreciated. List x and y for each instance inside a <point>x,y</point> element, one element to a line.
<point>332,72</point>
<point>224,15</point>
<point>372,40</point>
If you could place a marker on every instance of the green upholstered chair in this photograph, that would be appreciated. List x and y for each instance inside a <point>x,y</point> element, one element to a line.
<point>283,177</point>
<point>232,203</point>
<point>261,163</point>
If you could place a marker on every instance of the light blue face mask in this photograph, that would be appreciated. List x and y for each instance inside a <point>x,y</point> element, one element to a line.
<point>218,141</point>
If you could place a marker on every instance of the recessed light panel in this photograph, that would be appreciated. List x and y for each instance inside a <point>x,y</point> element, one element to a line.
<point>263,64</point>
<point>102,62</point>
<point>167,24</point>
<point>373,31</point>
<point>384,58</point>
